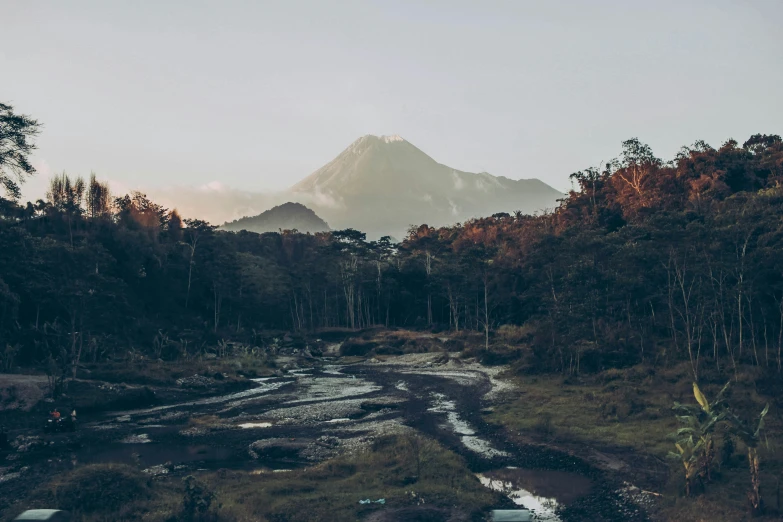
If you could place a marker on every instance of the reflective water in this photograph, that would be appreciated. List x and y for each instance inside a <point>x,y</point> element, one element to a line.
<point>540,491</point>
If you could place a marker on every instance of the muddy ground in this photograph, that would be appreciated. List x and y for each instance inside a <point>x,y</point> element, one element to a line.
<point>321,408</point>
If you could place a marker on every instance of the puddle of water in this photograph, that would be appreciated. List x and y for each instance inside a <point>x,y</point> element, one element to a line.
<point>461,427</point>
<point>264,470</point>
<point>540,491</point>
<point>247,425</point>
<point>153,454</point>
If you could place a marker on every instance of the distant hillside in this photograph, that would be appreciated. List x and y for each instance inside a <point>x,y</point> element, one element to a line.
<point>382,185</point>
<point>288,216</point>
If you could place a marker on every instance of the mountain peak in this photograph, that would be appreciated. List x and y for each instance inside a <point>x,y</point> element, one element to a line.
<point>382,184</point>
<point>392,138</point>
<point>384,138</point>
<point>288,216</point>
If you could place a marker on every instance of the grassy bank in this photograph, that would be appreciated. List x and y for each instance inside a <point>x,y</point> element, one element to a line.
<point>411,473</point>
<point>619,416</point>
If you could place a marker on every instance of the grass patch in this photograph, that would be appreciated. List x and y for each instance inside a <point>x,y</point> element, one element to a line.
<point>408,471</point>
<point>630,409</point>
<point>405,470</point>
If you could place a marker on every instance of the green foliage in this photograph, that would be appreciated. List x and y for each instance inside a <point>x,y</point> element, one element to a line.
<point>17,133</point>
<point>647,262</point>
<point>696,448</point>
<point>695,444</point>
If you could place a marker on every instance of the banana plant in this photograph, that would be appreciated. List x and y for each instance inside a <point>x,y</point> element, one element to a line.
<point>688,453</point>
<point>699,423</point>
<point>752,438</point>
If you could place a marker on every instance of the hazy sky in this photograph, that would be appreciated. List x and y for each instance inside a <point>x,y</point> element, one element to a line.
<point>259,94</point>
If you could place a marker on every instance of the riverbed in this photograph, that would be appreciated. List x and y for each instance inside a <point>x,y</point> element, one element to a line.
<point>311,414</point>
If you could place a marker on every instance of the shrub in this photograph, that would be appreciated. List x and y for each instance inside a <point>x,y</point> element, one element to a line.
<point>102,487</point>
<point>499,354</point>
<point>197,500</point>
<point>454,345</point>
<point>356,347</point>
<point>513,334</point>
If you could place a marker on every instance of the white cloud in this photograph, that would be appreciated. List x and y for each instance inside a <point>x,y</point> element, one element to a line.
<point>454,208</point>
<point>458,183</point>
<point>319,198</point>
<point>214,186</point>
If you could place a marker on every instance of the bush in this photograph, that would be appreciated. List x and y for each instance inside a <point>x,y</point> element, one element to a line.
<point>512,333</point>
<point>356,347</point>
<point>102,487</point>
<point>454,345</point>
<point>196,501</point>
<point>499,354</point>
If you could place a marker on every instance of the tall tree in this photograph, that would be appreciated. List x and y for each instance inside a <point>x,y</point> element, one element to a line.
<point>17,133</point>
<point>98,198</point>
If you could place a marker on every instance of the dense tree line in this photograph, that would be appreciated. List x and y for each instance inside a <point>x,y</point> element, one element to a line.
<point>644,260</point>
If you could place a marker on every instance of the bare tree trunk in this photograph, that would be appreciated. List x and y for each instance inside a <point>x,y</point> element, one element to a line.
<point>754,495</point>
<point>780,332</point>
<point>190,273</point>
<point>486,314</point>
<point>428,268</point>
<point>218,302</point>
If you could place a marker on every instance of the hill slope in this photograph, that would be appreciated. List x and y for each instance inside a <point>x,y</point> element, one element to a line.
<point>382,185</point>
<point>288,216</point>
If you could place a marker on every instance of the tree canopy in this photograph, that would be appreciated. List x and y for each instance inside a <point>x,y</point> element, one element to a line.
<point>644,260</point>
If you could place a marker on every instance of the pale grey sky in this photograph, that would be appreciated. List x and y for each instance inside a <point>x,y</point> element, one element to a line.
<point>257,95</point>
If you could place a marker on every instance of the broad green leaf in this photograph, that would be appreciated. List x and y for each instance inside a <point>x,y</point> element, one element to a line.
<point>721,392</point>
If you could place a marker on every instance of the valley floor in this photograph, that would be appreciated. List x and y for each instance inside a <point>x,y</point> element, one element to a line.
<point>425,432</point>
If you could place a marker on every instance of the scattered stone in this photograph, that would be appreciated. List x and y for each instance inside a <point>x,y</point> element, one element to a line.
<point>141,438</point>
<point>156,471</point>
<point>195,381</point>
<point>331,442</point>
<point>195,431</point>
<point>6,477</point>
<point>24,443</point>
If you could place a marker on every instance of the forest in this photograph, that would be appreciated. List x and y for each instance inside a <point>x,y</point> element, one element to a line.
<point>645,260</point>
